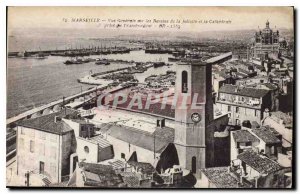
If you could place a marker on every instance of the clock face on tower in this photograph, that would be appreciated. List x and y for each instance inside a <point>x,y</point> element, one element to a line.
<point>196,117</point>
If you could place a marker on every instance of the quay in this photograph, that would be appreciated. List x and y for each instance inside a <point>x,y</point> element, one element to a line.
<point>88,95</point>
<point>74,52</point>
<point>220,58</point>
<point>93,79</point>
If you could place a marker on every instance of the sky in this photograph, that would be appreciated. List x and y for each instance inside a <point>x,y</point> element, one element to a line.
<point>241,18</point>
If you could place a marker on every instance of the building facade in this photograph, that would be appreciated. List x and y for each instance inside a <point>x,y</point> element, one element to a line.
<point>243,103</point>
<point>44,146</point>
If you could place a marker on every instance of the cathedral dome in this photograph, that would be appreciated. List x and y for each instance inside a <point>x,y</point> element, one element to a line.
<point>267,29</point>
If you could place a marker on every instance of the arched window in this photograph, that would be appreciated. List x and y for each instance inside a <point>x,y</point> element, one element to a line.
<point>184,81</point>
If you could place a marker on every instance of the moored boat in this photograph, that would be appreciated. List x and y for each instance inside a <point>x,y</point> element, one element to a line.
<point>102,62</point>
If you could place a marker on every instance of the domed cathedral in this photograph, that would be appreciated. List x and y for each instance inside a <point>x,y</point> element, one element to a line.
<point>266,42</point>
<point>267,36</point>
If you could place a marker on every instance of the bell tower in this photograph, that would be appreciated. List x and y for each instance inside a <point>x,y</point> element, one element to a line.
<point>193,114</point>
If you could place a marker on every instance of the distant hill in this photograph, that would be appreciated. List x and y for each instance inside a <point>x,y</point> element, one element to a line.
<point>46,38</point>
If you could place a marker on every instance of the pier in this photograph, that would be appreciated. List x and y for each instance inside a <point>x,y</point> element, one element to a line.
<point>74,52</point>
<point>88,95</point>
<point>220,58</point>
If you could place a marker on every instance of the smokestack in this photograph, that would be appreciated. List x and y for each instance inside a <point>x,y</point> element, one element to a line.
<point>64,105</point>
<point>247,53</point>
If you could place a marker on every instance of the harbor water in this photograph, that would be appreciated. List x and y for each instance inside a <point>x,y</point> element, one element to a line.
<point>33,82</point>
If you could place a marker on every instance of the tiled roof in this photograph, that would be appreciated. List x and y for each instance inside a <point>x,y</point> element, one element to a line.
<point>223,74</point>
<point>47,122</point>
<point>103,143</point>
<point>287,120</point>
<point>82,121</point>
<point>156,108</point>
<point>130,179</point>
<point>266,135</point>
<point>61,184</point>
<point>165,133</point>
<point>244,136</point>
<point>261,164</point>
<point>96,168</point>
<point>99,175</point>
<point>271,86</point>
<point>260,67</point>
<point>241,75</point>
<point>222,178</point>
<point>146,168</point>
<point>138,137</point>
<point>244,71</point>
<point>104,127</point>
<point>254,125</point>
<point>117,164</point>
<point>250,92</point>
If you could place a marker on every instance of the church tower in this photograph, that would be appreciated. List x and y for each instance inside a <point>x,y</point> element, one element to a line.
<point>193,114</point>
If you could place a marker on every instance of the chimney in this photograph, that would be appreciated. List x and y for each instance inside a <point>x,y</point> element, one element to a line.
<point>56,119</point>
<point>160,122</point>
<point>266,113</point>
<point>256,182</point>
<point>64,106</point>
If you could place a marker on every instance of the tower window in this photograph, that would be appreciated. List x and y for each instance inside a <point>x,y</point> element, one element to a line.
<point>184,81</point>
<point>194,166</point>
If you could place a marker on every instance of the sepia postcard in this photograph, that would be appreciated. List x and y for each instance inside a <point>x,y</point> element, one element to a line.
<point>150,97</point>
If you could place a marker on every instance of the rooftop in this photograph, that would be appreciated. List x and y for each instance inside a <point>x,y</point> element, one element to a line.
<point>244,136</point>
<point>243,91</point>
<point>146,168</point>
<point>82,121</point>
<point>47,122</point>
<point>270,86</point>
<point>130,179</point>
<point>98,175</point>
<point>287,119</point>
<point>267,135</point>
<point>261,164</point>
<point>155,108</point>
<point>222,177</point>
<point>141,138</point>
<point>245,71</point>
<point>100,141</point>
